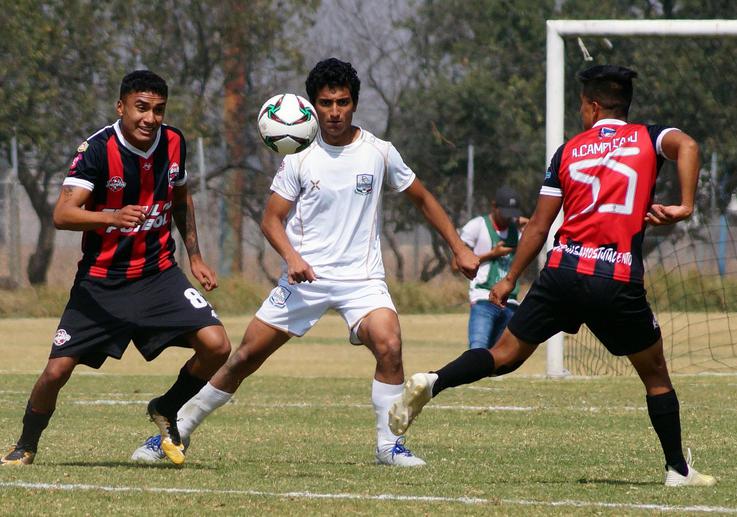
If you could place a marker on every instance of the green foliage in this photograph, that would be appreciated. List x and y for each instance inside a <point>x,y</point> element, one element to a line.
<point>481,82</point>
<point>481,78</point>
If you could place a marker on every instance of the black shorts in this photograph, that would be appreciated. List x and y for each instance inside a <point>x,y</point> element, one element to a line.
<point>155,312</point>
<point>560,300</point>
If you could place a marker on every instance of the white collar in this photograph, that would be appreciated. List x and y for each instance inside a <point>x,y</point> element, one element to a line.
<point>341,148</point>
<point>609,122</point>
<point>131,147</point>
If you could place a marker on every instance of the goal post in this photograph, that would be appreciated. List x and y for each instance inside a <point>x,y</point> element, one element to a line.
<point>555,96</point>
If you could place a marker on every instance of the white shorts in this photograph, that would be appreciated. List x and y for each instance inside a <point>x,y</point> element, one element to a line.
<point>296,308</point>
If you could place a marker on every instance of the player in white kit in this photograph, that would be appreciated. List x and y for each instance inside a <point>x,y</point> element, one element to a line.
<point>324,219</point>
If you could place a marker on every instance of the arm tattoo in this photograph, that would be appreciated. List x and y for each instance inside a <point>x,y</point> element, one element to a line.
<point>185,220</point>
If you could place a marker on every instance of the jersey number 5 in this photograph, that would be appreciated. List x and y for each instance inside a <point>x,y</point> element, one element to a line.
<point>609,161</point>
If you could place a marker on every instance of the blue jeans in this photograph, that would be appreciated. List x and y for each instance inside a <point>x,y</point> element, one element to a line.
<point>487,322</point>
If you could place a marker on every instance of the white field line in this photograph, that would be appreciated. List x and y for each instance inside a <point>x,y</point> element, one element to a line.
<point>363,497</point>
<point>308,405</point>
<point>303,405</point>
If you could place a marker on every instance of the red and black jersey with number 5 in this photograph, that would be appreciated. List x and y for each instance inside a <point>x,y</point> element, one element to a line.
<point>119,174</point>
<point>606,176</point>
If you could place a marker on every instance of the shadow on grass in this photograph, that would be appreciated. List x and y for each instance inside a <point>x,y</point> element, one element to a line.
<point>134,464</point>
<point>621,482</point>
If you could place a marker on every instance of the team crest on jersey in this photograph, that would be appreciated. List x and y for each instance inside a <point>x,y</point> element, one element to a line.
<point>279,296</point>
<point>607,132</point>
<point>61,337</point>
<point>115,184</point>
<point>173,172</point>
<point>364,184</point>
<point>83,147</point>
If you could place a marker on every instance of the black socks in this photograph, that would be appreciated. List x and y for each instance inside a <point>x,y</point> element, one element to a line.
<point>185,387</point>
<point>469,367</point>
<point>665,417</point>
<point>33,425</point>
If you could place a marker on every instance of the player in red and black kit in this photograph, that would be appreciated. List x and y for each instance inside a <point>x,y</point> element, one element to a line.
<point>125,185</point>
<point>604,179</point>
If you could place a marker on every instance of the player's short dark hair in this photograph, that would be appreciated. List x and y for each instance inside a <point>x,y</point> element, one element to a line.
<point>610,86</point>
<point>143,81</point>
<point>332,72</point>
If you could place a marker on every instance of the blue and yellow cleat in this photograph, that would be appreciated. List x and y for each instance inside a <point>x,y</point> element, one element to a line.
<point>150,450</point>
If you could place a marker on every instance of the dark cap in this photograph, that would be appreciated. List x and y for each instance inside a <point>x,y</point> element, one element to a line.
<point>508,202</point>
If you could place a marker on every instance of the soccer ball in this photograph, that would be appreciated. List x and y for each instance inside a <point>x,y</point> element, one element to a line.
<point>287,123</point>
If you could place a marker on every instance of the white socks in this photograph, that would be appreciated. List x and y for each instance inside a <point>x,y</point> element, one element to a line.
<point>383,396</point>
<point>191,415</point>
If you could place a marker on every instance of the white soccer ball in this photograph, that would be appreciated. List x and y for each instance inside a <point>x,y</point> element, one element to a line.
<point>287,123</point>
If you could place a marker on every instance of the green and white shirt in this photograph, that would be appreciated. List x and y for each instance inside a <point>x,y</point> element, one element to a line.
<point>479,233</point>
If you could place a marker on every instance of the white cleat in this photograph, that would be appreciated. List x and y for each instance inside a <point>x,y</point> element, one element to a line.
<point>693,478</point>
<point>397,455</point>
<point>416,393</point>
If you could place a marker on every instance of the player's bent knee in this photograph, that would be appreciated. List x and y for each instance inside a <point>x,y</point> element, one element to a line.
<point>57,374</point>
<point>504,369</point>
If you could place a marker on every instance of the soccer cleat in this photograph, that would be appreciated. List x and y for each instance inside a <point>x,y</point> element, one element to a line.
<point>416,393</point>
<point>398,455</point>
<point>171,444</point>
<point>693,478</point>
<point>150,450</point>
<point>17,456</point>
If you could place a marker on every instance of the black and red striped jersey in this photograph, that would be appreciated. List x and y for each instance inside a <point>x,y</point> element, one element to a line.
<point>119,174</point>
<point>606,176</point>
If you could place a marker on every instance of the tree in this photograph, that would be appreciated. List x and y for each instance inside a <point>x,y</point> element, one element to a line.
<point>52,77</point>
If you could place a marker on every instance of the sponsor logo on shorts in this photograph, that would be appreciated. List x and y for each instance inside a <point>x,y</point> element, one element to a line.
<point>61,337</point>
<point>655,323</point>
<point>364,184</point>
<point>115,184</point>
<point>214,314</point>
<point>279,296</point>
<point>173,172</point>
<point>83,147</point>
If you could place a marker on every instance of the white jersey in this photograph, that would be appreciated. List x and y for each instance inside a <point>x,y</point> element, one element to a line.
<point>335,223</point>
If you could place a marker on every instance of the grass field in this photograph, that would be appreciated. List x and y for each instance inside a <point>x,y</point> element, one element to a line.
<point>299,438</point>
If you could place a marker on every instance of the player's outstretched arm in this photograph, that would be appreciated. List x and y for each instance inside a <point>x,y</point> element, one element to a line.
<point>272,226</point>
<point>69,214</point>
<point>678,146</point>
<point>467,262</point>
<point>183,212</point>
<point>530,243</point>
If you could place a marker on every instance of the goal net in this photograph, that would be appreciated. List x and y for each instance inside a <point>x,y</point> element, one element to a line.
<point>691,268</point>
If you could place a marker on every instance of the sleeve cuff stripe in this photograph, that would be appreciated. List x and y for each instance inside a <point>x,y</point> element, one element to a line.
<point>551,191</point>
<point>659,141</point>
<point>76,182</point>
